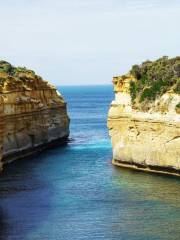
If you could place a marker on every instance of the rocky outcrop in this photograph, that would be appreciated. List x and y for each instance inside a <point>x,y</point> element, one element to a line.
<point>32,114</point>
<point>145,140</point>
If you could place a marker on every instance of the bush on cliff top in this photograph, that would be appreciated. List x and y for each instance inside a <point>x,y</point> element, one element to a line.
<point>12,71</point>
<point>155,78</point>
<point>5,67</point>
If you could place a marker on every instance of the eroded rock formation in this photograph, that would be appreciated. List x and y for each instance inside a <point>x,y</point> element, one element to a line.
<point>32,113</point>
<point>145,140</point>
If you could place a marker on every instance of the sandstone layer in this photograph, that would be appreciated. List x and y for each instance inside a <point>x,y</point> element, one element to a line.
<point>33,114</point>
<point>150,140</point>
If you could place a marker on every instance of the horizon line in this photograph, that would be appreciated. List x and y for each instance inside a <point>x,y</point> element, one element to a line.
<point>85,85</point>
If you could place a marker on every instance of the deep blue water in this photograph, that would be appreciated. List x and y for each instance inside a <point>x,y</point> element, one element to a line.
<point>74,192</point>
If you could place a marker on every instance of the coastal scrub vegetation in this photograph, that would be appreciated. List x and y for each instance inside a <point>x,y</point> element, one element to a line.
<point>9,71</point>
<point>154,78</point>
<point>5,67</point>
<point>178,107</point>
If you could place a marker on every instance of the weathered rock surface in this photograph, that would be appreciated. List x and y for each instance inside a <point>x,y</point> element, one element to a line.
<point>32,114</point>
<point>148,141</point>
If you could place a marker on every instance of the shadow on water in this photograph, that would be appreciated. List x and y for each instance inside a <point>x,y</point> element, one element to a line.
<point>150,203</point>
<point>3,224</point>
<point>153,185</point>
<point>74,193</point>
<point>25,197</point>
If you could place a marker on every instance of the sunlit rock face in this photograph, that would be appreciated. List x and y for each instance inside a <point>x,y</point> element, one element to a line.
<point>150,140</point>
<point>33,114</point>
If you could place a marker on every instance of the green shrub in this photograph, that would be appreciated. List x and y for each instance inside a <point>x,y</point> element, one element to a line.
<point>133,90</point>
<point>178,105</point>
<point>2,80</point>
<point>5,67</point>
<point>136,72</point>
<point>177,87</point>
<point>15,74</point>
<point>155,78</point>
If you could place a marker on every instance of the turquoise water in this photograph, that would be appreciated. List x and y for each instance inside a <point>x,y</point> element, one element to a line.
<point>74,192</point>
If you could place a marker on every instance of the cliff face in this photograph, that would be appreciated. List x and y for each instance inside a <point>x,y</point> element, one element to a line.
<point>32,113</point>
<point>146,140</point>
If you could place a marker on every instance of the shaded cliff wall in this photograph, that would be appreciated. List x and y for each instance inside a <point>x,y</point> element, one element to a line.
<point>1,129</point>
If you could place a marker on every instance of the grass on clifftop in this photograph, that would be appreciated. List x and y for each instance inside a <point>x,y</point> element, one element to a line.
<point>155,78</point>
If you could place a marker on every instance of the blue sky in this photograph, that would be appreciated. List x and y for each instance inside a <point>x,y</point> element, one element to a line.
<point>75,42</point>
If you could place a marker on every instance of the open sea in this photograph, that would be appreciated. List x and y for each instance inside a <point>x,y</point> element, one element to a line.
<point>74,193</point>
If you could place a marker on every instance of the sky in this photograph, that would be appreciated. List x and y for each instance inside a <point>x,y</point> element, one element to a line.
<point>84,42</point>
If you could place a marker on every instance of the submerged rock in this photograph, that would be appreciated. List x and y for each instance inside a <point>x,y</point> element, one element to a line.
<point>33,114</point>
<point>145,131</point>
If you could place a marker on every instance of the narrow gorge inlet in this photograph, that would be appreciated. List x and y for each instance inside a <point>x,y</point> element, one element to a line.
<point>90,120</point>
<point>74,192</point>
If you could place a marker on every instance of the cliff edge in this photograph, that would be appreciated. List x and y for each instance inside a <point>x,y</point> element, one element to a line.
<point>32,113</point>
<point>144,118</point>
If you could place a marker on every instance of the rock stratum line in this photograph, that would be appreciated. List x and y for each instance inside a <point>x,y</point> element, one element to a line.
<point>33,114</point>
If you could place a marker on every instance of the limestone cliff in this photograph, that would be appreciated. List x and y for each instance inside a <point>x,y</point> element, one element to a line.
<point>32,113</point>
<point>145,136</point>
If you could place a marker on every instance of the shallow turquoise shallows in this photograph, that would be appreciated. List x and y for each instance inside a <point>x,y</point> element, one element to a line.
<point>74,193</point>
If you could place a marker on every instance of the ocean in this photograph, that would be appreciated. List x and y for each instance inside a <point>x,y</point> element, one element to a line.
<point>75,193</point>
